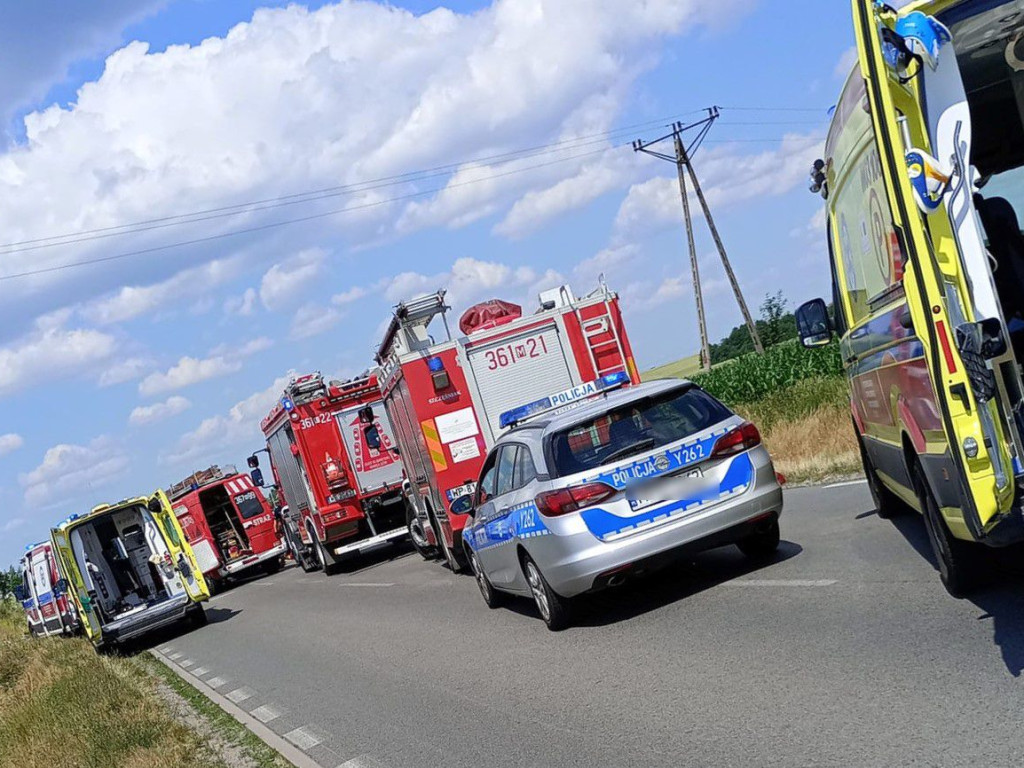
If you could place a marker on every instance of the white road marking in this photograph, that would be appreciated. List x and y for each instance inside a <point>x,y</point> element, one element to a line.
<point>303,738</point>
<point>847,483</point>
<point>186,663</point>
<point>165,650</point>
<point>176,656</point>
<point>363,761</point>
<point>780,583</point>
<point>200,671</point>
<point>239,695</point>
<point>217,682</point>
<point>266,713</point>
<point>367,584</point>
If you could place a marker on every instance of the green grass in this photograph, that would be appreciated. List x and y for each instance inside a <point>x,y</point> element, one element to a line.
<point>680,369</point>
<point>226,726</point>
<point>62,704</point>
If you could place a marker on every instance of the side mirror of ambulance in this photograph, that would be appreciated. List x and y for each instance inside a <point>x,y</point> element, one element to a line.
<point>463,505</point>
<point>257,477</point>
<point>19,593</point>
<point>155,506</point>
<point>62,586</point>
<point>813,324</point>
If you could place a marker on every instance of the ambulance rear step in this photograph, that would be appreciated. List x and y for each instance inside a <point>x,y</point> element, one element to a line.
<point>365,545</point>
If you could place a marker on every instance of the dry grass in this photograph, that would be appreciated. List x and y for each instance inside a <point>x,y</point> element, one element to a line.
<point>62,705</point>
<point>808,430</point>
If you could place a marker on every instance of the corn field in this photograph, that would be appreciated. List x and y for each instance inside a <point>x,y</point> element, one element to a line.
<point>753,377</point>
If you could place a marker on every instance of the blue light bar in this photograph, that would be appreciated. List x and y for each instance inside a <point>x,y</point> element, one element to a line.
<point>560,399</point>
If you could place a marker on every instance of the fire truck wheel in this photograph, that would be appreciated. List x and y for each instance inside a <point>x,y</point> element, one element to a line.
<point>957,560</point>
<point>417,535</point>
<point>325,561</point>
<point>492,597</point>
<point>274,565</point>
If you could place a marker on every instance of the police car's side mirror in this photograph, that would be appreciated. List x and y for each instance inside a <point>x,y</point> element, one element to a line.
<point>463,505</point>
<point>813,324</point>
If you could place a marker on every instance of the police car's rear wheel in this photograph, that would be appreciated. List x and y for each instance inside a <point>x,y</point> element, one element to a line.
<point>492,597</point>
<point>763,543</point>
<point>887,504</point>
<point>553,608</point>
<point>957,560</point>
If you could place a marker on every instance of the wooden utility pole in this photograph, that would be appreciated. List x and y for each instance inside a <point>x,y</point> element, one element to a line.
<point>684,167</point>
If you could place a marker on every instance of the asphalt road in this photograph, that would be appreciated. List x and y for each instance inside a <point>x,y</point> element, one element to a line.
<point>845,651</point>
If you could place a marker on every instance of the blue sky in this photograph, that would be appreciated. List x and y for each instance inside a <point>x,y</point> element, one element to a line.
<point>126,374</point>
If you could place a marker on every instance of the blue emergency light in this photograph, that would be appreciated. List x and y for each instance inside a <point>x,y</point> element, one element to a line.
<point>560,399</point>
<point>287,404</point>
<point>435,364</point>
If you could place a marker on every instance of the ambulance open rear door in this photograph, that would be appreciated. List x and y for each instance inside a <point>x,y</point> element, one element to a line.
<point>938,295</point>
<point>77,589</point>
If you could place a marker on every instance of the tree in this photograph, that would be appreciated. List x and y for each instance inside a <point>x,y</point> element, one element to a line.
<point>9,579</point>
<point>775,326</point>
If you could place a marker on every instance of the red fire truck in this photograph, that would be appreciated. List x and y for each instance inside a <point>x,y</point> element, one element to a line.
<point>228,522</point>
<point>445,398</point>
<point>43,594</point>
<point>333,460</point>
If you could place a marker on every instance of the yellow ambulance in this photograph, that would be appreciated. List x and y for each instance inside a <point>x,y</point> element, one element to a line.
<point>923,177</point>
<point>130,569</point>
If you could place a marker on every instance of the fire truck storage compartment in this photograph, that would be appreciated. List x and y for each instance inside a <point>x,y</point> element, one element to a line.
<point>519,369</point>
<point>224,522</point>
<point>115,553</point>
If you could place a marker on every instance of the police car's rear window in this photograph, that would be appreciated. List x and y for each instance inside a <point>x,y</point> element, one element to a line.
<point>634,428</point>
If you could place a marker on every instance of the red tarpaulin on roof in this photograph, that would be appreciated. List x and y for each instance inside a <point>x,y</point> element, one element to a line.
<point>487,314</point>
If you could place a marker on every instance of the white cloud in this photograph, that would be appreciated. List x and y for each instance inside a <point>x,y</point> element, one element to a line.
<point>299,99</point>
<point>243,306</point>
<point>125,370</point>
<point>222,360</point>
<point>312,320</point>
<point>238,428</point>
<point>131,301</point>
<point>70,471</point>
<point>468,280</point>
<point>51,351</point>
<point>727,179</point>
<point>150,414</point>
<point>353,294</point>
<point>845,64</point>
<point>186,372</point>
<point>10,442</point>
<point>284,283</point>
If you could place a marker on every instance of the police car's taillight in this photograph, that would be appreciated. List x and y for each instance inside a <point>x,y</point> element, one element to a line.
<point>741,439</point>
<point>566,500</point>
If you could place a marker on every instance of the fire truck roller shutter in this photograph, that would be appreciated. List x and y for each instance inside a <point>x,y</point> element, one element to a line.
<point>289,473</point>
<point>519,369</point>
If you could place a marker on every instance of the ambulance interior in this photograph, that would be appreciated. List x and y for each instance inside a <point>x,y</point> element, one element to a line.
<point>225,523</point>
<point>124,562</point>
<point>989,43</point>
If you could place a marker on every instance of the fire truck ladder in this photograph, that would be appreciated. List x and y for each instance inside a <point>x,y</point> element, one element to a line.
<point>596,326</point>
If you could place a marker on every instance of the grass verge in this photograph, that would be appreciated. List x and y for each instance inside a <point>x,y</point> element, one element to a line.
<point>61,704</point>
<point>808,430</point>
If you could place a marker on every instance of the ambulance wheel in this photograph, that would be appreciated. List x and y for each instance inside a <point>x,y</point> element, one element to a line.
<point>552,607</point>
<point>887,504</point>
<point>417,535</point>
<point>197,617</point>
<point>492,597</point>
<point>957,560</point>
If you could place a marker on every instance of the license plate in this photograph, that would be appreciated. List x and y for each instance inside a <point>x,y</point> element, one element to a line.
<point>637,504</point>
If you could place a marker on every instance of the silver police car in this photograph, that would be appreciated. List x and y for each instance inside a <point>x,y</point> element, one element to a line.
<point>600,483</point>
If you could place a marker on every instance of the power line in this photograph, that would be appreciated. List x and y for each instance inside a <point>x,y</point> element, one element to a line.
<point>286,222</point>
<point>298,198</point>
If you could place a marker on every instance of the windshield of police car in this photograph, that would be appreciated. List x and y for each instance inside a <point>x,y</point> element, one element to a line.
<point>642,425</point>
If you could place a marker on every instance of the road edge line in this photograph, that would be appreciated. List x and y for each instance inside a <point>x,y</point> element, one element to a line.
<point>290,752</point>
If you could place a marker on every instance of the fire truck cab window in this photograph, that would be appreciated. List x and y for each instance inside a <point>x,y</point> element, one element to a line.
<point>506,469</point>
<point>488,476</point>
